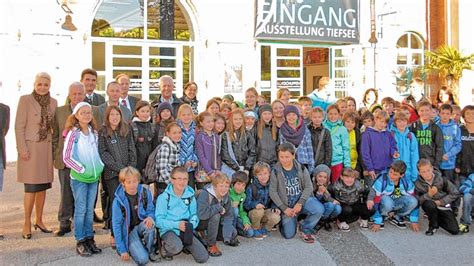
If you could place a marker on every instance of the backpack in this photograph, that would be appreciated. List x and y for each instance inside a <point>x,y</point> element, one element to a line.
<point>150,172</point>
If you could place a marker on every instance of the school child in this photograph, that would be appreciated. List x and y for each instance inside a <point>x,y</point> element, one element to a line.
<point>278,109</point>
<point>164,116</point>
<point>457,114</point>
<point>393,193</point>
<point>294,131</point>
<point>237,197</point>
<point>250,119</point>
<point>238,146</point>
<point>332,207</point>
<point>215,211</point>
<point>291,191</point>
<point>388,105</point>
<point>436,195</point>
<point>407,145</point>
<point>228,99</point>
<point>467,191</point>
<point>132,218</point>
<point>176,218</point>
<point>351,104</point>
<point>143,133</point>
<point>378,147</point>
<point>267,136</point>
<point>452,143</point>
<point>219,124</point>
<point>350,193</point>
<point>167,157</point>
<point>340,142</point>
<point>367,120</point>
<point>187,151</point>
<point>429,135</point>
<point>213,106</point>
<point>350,120</point>
<point>262,213</point>
<point>320,138</point>
<point>251,96</point>
<point>225,110</point>
<point>261,100</point>
<point>208,150</point>
<point>342,105</point>
<point>81,154</point>
<point>117,150</point>
<point>464,162</point>
<point>305,104</point>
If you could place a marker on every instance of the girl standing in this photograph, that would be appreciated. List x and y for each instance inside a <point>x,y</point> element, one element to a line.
<point>143,133</point>
<point>81,155</point>
<point>167,157</point>
<point>164,116</point>
<point>117,150</point>
<point>187,152</point>
<point>341,157</point>
<point>278,107</point>
<point>208,150</point>
<point>267,136</point>
<point>238,146</point>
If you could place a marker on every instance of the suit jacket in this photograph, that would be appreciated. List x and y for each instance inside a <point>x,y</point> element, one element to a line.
<point>4,126</point>
<point>126,114</point>
<point>39,168</point>
<point>97,99</point>
<point>133,103</point>
<point>60,117</point>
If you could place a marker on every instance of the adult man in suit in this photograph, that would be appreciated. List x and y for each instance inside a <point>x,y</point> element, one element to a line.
<point>113,93</point>
<point>66,205</point>
<point>126,100</point>
<point>166,87</point>
<point>89,79</point>
<point>4,126</point>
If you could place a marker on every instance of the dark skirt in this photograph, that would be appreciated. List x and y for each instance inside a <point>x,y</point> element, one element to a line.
<point>32,188</point>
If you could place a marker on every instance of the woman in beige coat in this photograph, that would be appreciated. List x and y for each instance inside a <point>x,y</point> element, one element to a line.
<point>33,129</point>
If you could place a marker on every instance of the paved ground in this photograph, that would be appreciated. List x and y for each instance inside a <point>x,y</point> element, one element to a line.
<point>389,247</point>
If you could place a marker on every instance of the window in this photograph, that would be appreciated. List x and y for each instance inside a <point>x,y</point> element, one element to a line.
<point>410,49</point>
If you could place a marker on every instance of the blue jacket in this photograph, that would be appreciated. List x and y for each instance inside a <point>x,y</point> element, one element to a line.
<point>452,143</point>
<point>383,186</point>
<point>304,152</point>
<point>121,207</point>
<point>407,145</point>
<point>171,210</point>
<point>320,100</point>
<point>377,149</point>
<point>263,195</point>
<point>340,143</point>
<point>468,185</point>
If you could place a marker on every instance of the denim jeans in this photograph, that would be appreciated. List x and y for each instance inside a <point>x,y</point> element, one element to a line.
<point>141,243</point>
<point>468,200</point>
<point>331,211</point>
<point>239,225</point>
<point>84,199</point>
<point>401,206</point>
<point>314,211</point>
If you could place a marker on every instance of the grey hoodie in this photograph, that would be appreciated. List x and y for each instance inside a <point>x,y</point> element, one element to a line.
<point>447,192</point>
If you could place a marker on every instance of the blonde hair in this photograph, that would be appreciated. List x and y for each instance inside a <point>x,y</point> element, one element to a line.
<point>183,107</point>
<point>381,114</point>
<point>281,91</point>
<point>128,171</point>
<point>323,82</point>
<point>43,75</point>
<point>232,130</point>
<point>260,166</point>
<point>219,179</point>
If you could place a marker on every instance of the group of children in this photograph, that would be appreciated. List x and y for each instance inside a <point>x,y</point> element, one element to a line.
<point>233,171</point>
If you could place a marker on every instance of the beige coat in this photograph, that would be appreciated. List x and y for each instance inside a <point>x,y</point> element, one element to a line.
<point>39,168</point>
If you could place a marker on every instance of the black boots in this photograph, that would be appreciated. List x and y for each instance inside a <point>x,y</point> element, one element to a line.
<point>87,247</point>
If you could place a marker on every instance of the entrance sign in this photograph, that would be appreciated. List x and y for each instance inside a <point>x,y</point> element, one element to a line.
<point>330,21</point>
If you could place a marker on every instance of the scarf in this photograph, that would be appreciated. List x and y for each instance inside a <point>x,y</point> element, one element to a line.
<point>294,136</point>
<point>46,122</point>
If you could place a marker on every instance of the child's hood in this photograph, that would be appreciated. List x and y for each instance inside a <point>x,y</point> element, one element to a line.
<point>188,191</point>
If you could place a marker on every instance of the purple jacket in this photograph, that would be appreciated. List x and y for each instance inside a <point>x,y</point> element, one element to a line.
<point>377,149</point>
<point>208,149</point>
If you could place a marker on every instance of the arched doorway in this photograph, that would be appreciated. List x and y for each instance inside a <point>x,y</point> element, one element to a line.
<point>144,39</point>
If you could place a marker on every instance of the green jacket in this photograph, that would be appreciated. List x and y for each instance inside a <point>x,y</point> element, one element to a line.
<point>240,198</point>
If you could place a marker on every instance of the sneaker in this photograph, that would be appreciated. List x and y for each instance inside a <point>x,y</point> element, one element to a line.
<point>307,238</point>
<point>264,232</point>
<point>214,251</point>
<point>92,246</point>
<point>343,226</point>
<point>382,226</point>
<point>154,257</point>
<point>258,235</point>
<point>319,226</point>
<point>232,243</point>
<point>431,230</point>
<point>399,224</point>
<point>275,227</point>
<point>364,224</point>
<point>82,249</point>
<point>166,257</point>
<point>463,228</point>
<point>327,226</point>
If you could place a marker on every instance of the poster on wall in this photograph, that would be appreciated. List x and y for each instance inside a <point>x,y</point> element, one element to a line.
<point>229,55</point>
<point>334,21</point>
<point>316,56</point>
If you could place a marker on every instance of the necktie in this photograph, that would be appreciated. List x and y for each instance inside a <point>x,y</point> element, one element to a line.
<point>124,103</point>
